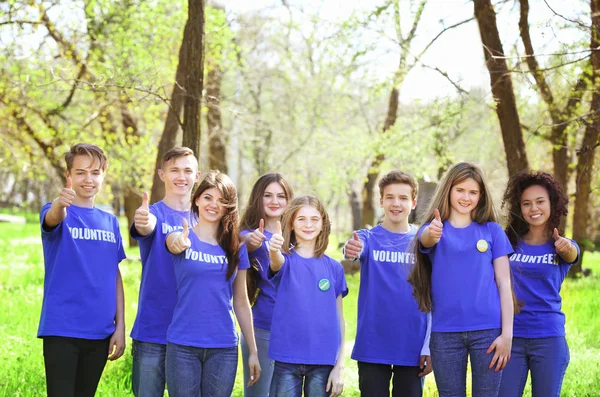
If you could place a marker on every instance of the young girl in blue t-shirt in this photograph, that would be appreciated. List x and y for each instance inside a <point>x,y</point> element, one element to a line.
<point>462,277</point>
<point>210,269</point>
<point>266,204</point>
<point>542,258</point>
<point>307,339</point>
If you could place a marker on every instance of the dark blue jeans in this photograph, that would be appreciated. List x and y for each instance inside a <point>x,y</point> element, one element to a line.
<point>546,358</point>
<point>260,388</point>
<point>449,352</point>
<point>289,380</point>
<point>148,369</point>
<point>200,372</point>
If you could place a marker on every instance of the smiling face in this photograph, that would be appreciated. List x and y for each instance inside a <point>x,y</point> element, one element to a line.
<point>179,175</point>
<point>86,176</point>
<point>210,206</point>
<point>535,206</point>
<point>274,200</point>
<point>464,196</point>
<point>397,203</point>
<point>307,224</point>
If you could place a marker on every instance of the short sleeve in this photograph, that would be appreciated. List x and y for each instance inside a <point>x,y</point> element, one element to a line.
<point>500,244</point>
<point>47,232</point>
<point>121,250</point>
<point>275,277</point>
<point>341,287</point>
<point>243,255</point>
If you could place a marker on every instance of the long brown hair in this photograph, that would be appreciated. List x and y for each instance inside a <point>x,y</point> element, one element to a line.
<point>228,232</point>
<point>255,210</point>
<point>420,276</point>
<point>289,237</point>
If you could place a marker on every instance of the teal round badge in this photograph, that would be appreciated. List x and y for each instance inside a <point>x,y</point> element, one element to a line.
<point>324,284</point>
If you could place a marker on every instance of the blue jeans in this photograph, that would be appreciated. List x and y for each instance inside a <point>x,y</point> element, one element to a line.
<point>260,388</point>
<point>546,358</point>
<point>290,379</point>
<point>200,372</point>
<point>148,369</point>
<point>449,351</point>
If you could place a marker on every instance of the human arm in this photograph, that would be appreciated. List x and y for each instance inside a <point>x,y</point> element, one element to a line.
<point>275,245</point>
<point>425,361</point>
<point>243,313</point>
<point>502,345</point>
<point>177,242</point>
<point>58,210</point>
<point>116,346</point>
<point>254,240</point>
<point>353,247</point>
<point>335,383</point>
<point>433,233</point>
<point>144,221</point>
<point>564,247</point>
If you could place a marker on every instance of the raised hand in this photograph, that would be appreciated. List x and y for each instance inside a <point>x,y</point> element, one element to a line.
<point>562,245</point>
<point>276,242</point>
<point>180,240</point>
<point>142,214</point>
<point>257,237</point>
<point>436,225</point>
<point>353,247</point>
<point>67,194</point>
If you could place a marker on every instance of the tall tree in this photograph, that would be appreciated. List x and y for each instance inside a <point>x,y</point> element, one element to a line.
<point>586,153</point>
<point>502,87</point>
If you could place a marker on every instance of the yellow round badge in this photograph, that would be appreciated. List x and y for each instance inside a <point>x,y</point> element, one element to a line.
<point>482,245</point>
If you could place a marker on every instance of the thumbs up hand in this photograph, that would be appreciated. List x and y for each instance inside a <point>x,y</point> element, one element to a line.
<point>142,214</point>
<point>256,238</point>
<point>179,241</point>
<point>67,194</point>
<point>276,242</point>
<point>353,247</point>
<point>562,245</point>
<point>436,226</point>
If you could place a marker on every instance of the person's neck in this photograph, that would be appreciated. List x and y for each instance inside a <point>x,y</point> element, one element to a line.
<point>536,235</point>
<point>459,220</point>
<point>271,224</point>
<point>177,203</point>
<point>84,202</point>
<point>400,227</point>
<point>305,249</point>
<point>207,231</point>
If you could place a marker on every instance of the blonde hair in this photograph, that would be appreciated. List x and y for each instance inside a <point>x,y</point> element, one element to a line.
<point>287,224</point>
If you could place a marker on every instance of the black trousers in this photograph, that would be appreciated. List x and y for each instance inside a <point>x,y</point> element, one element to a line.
<point>374,380</point>
<point>73,365</point>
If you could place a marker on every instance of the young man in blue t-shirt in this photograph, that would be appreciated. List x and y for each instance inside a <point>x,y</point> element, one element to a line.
<point>392,335</point>
<point>82,321</point>
<point>158,295</point>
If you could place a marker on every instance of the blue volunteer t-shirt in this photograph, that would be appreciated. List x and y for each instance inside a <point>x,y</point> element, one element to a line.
<point>81,259</point>
<point>538,272</point>
<point>203,315</point>
<point>464,293</point>
<point>390,327</point>
<point>158,293</point>
<point>262,311</point>
<point>306,327</point>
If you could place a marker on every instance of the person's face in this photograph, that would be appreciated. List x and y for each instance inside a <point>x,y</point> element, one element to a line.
<point>464,196</point>
<point>179,175</point>
<point>86,176</point>
<point>535,205</point>
<point>397,202</point>
<point>307,224</point>
<point>274,200</point>
<point>210,206</point>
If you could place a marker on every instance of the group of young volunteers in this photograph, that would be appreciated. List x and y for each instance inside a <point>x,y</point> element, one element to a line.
<point>457,288</point>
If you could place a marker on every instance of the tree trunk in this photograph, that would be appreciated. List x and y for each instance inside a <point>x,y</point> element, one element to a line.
<point>194,77</point>
<point>217,156</point>
<point>368,194</point>
<point>355,207</point>
<point>585,155</point>
<point>502,89</point>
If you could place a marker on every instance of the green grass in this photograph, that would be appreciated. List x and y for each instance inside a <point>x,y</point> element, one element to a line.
<point>21,287</point>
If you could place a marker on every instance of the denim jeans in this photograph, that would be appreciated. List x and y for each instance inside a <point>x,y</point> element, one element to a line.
<point>148,369</point>
<point>546,358</point>
<point>374,380</point>
<point>200,372</point>
<point>449,351</point>
<point>260,388</point>
<point>289,380</point>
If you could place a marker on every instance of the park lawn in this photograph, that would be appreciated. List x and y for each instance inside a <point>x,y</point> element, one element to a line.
<point>21,289</point>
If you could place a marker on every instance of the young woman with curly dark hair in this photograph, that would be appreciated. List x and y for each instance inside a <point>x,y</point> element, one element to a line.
<point>542,258</point>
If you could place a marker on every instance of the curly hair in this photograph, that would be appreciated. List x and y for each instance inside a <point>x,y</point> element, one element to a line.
<point>517,226</point>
